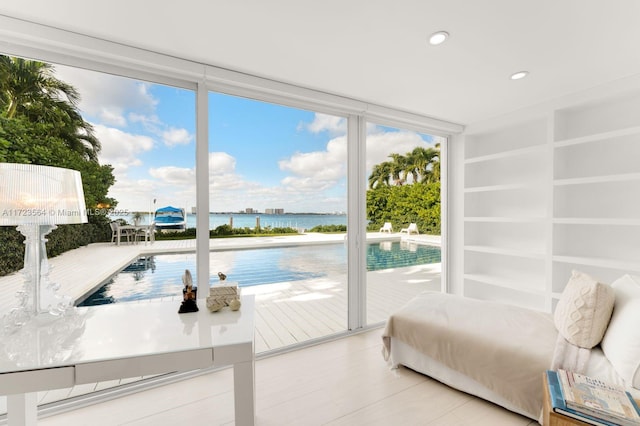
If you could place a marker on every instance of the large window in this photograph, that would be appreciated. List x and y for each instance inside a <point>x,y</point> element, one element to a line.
<point>133,142</point>
<point>280,171</point>
<point>403,213</point>
<point>277,174</point>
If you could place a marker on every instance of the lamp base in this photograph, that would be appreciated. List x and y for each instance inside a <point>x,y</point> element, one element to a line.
<point>39,295</point>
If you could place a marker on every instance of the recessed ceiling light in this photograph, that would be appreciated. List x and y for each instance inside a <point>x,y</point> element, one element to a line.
<point>519,75</point>
<point>438,38</point>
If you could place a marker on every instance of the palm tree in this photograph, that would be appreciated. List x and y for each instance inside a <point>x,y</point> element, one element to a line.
<point>380,175</point>
<point>421,164</point>
<point>29,89</point>
<point>398,166</point>
<point>435,171</point>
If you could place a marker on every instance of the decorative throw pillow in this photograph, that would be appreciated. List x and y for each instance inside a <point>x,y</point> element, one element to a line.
<point>621,343</point>
<point>584,310</point>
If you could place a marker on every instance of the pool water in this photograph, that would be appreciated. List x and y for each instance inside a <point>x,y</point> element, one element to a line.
<point>161,275</point>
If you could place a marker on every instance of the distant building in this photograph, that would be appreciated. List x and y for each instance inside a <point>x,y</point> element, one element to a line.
<point>193,210</point>
<point>274,211</point>
<point>250,210</point>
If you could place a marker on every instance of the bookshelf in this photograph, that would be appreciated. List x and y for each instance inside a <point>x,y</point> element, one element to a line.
<point>551,190</point>
<point>506,213</point>
<point>596,215</point>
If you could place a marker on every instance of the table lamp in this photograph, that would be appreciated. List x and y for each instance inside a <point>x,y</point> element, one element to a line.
<point>36,199</point>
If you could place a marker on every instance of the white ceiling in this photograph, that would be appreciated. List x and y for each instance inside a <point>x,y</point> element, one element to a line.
<point>376,50</point>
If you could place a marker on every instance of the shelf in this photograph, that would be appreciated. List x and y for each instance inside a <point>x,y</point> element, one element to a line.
<point>505,252</point>
<point>598,137</point>
<point>596,221</point>
<point>597,179</point>
<point>509,219</point>
<point>503,283</point>
<point>506,154</point>
<point>599,262</point>
<point>492,188</point>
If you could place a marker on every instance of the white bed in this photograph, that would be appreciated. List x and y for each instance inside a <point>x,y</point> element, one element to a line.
<point>494,351</point>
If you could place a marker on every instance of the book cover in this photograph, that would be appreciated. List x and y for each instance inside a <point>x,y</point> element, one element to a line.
<point>599,399</point>
<point>558,403</point>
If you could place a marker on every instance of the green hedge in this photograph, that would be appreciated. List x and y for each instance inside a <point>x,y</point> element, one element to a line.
<point>402,205</point>
<point>224,231</point>
<point>60,240</point>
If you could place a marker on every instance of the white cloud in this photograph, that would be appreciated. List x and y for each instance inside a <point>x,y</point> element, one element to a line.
<point>121,149</point>
<point>221,163</point>
<point>329,123</point>
<point>381,144</point>
<point>148,120</point>
<point>317,170</point>
<point>108,97</point>
<point>112,118</point>
<point>171,175</point>
<point>174,136</point>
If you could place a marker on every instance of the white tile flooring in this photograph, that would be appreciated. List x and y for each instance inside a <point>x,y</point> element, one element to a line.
<point>342,382</point>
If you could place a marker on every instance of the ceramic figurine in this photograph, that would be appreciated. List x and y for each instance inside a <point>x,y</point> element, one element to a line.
<point>189,294</point>
<point>222,276</point>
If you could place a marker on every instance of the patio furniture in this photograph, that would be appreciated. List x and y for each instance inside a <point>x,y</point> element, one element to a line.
<point>117,231</point>
<point>146,233</point>
<point>413,228</point>
<point>387,227</point>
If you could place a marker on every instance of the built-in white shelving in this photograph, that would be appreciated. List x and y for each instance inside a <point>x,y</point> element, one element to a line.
<point>505,219</point>
<point>613,134</point>
<point>505,252</point>
<point>506,154</point>
<point>548,195</point>
<point>533,288</point>
<point>506,213</point>
<point>596,213</point>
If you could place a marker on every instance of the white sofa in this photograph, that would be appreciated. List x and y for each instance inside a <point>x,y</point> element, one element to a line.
<point>498,352</point>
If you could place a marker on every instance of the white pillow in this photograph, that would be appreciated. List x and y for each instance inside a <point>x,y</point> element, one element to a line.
<point>584,310</point>
<point>621,343</point>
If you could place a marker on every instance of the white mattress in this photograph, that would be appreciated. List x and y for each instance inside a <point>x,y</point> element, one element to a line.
<point>403,354</point>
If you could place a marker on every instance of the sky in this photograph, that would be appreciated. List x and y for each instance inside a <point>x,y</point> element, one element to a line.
<point>261,155</point>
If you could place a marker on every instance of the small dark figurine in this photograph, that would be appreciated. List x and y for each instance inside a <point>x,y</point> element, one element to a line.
<point>189,294</point>
<point>222,276</point>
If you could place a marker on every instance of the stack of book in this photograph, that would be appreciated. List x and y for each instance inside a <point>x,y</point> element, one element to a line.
<point>591,400</point>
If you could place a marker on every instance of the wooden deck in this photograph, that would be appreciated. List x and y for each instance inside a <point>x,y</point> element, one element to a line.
<point>286,313</point>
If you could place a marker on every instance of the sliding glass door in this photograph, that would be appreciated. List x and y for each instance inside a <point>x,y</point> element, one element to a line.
<point>277,215</point>
<point>403,205</point>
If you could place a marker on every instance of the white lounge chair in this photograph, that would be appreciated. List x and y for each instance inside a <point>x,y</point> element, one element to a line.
<point>387,227</point>
<point>413,228</point>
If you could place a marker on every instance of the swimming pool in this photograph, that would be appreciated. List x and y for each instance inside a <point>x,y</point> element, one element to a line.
<point>161,275</point>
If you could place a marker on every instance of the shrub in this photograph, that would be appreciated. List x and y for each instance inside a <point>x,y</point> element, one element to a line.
<point>329,228</point>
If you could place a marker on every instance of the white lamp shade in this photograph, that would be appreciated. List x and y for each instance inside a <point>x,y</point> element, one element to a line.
<point>44,195</point>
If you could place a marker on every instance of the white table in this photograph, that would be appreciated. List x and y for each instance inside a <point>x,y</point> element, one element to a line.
<point>115,341</point>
